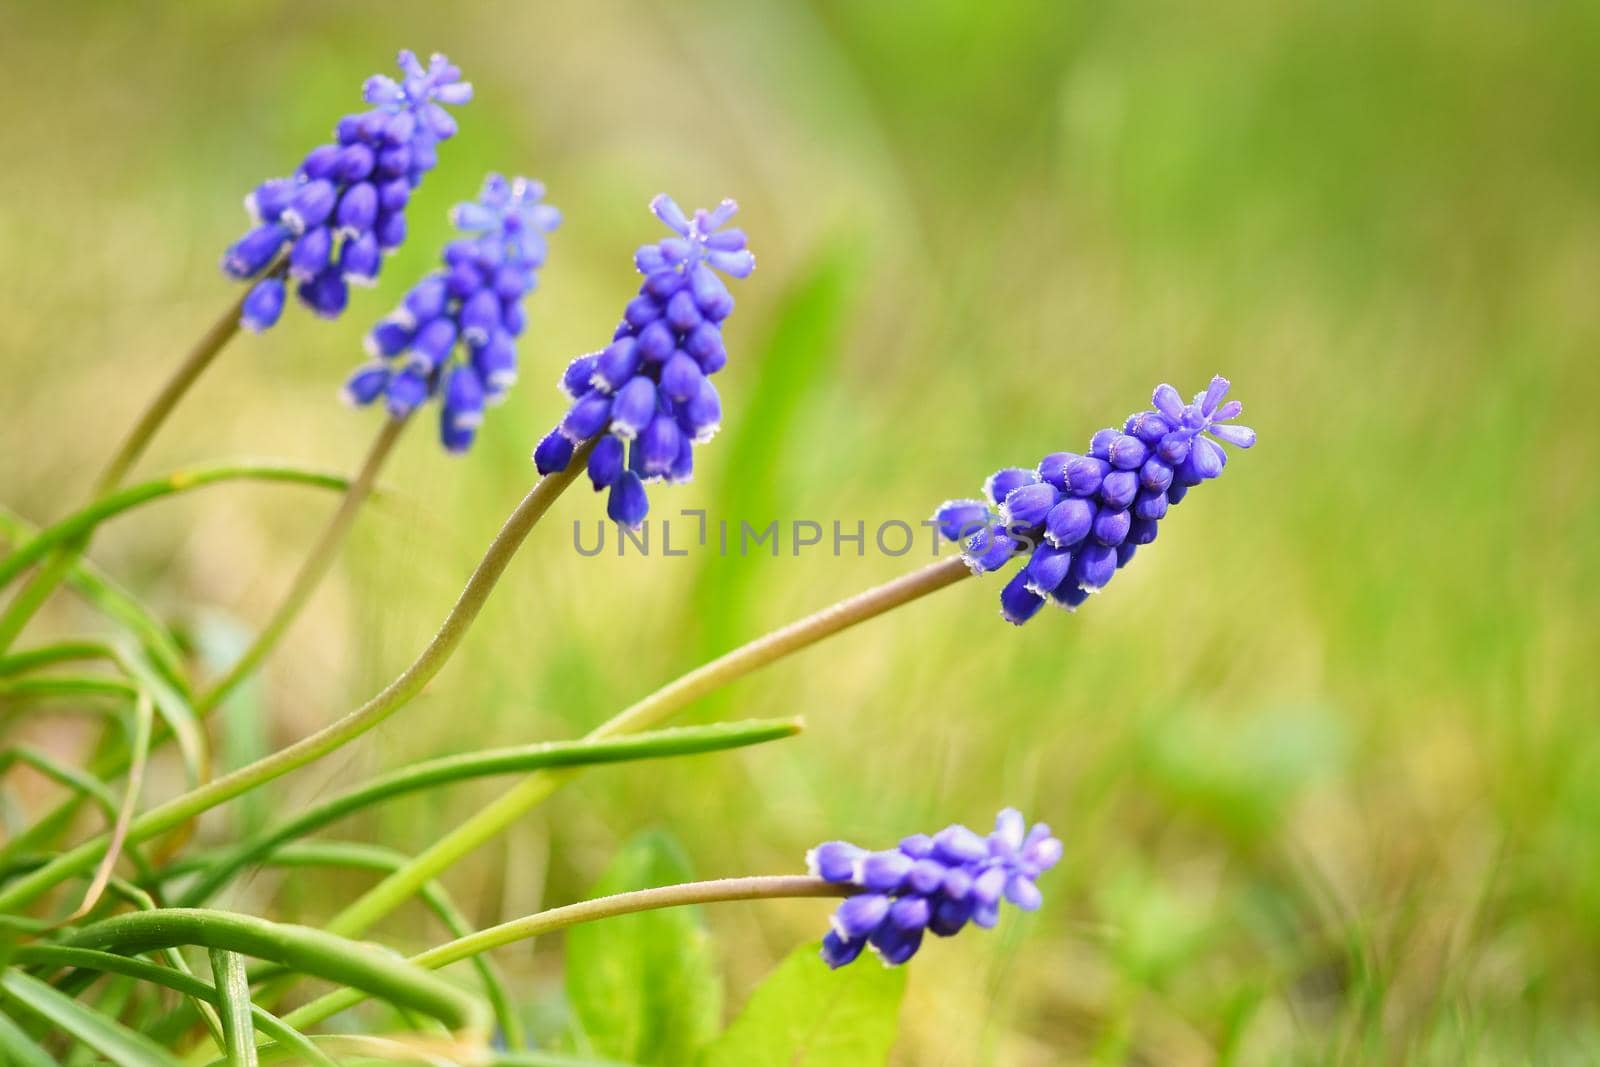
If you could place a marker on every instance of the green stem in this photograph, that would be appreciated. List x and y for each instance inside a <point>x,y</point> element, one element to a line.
<point>187,984</point>
<point>653,709</point>
<point>59,565</point>
<point>394,696</point>
<point>765,887</point>
<point>82,522</point>
<point>662,744</point>
<point>301,948</point>
<point>312,571</point>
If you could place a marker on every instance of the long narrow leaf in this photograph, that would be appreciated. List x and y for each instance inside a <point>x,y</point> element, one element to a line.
<point>301,948</point>
<point>67,687</point>
<point>86,519</point>
<point>190,986</point>
<point>233,998</point>
<point>115,602</point>
<point>17,1049</point>
<point>377,858</point>
<point>107,1037</point>
<point>658,744</point>
<point>145,716</point>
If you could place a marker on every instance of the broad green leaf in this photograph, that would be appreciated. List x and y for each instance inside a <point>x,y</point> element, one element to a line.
<point>805,1015</point>
<point>110,1039</point>
<point>645,987</point>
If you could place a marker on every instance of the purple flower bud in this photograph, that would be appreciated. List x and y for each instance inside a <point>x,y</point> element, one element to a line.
<point>360,260</point>
<point>959,520</point>
<point>366,384</point>
<point>390,230</point>
<point>358,209</point>
<point>267,201</point>
<point>553,453</point>
<point>320,163</point>
<point>1100,443</point>
<point>989,550</point>
<point>461,413</point>
<point>704,343</point>
<point>1027,505</point>
<point>683,467</point>
<point>617,363</point>
<point>406,391</point>
<point>606,462</point>
<point>1118,489</point>
<point>838,951</point>
<point>893,945</point>
<point>1069,522</point>
<point>658,444</point>
<point>1096,563</point>
<point>434,341</point>
<point>327,294</point>
<point>388,338</point>
<point>1141,531</point>
<point>860,915</point>
<point>1018,603</point>
<point>926,875</point>
<point>251,253</point>
<point>681,377</point>
<point>959,845</point>
<point>496,364</point>
<point>579,375</point>
<point>656,341</point>
<point>262,305</point>
<point>1148,505</point>
<point>703,412</point>
<point>634,408</point>
<point>1085,474</point>
<point>1047,568</point>
<point>834,861</point>
<point>309,255</point>
<point>627,505</point>
<point>682,314</point>
<point>882,872</point>
<point>479,316</point>
<point>1001,483</point>
<point>587,416</point>
<point>910,913</point>
<point>1126,452</point>
<point>1053,469</point>
<point>1110,527</point>
<point>312,204</point>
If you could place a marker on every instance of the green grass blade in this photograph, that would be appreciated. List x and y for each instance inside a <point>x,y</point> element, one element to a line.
<point>658,744</point>
<point>190,986</point>
<point>83,521</point>
<point>300,948</point>
<point>66,687</point>
<point>17,1049</point>
<point>111,1040</point>
<point>233,1000</point>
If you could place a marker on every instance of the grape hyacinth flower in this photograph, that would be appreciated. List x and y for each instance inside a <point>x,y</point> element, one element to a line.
<point>344,207</point>
<point>931,884</point>
<point>454,335</point>
<point>1079,518</point>
<point>646,399</point>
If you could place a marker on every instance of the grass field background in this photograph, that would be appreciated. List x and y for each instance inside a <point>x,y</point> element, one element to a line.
<point>1325,759</point>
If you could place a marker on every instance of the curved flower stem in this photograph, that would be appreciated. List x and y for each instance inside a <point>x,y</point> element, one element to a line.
<point>44,581</point>
<point>312,571</point>
<point>764,887</point>
<point>394,696</point>
<point>652,710</point>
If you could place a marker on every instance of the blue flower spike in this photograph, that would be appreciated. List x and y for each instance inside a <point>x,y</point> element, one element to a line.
<point>648,395</point>
<point>454,336</point>
<point>344,208</point>
<point>930,884</point>
<point>1079,518</point>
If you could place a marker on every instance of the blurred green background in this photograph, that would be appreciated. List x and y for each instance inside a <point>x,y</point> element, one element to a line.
<point>1325,759</point>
